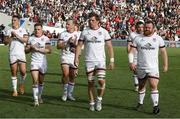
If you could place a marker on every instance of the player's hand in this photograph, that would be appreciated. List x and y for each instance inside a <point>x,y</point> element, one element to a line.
<point>165,68</point>
<point>71,40</point>
<point>13,34</point>
<point>34,48</point>
<point>76,62</point>
<point>111,65</point>
<point>132,66</point>
<point>73,49</point>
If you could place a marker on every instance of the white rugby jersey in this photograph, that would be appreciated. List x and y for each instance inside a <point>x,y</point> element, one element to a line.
<point>65,37</point>
<point>41,43</point>
<point>16,47</point>
<point>148,49</point>
<point>94,43</point>
<point>132,36</point>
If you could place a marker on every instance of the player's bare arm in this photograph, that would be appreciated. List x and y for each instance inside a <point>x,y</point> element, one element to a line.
<point>129,46</point>
<point>7,40</point>
<point>77,53</point>
<point>132,66</point>
<point>165,59</point>
<point>28,49</point>
<point>23,39</point>
<point>46,50</point>
<point>111,54</point>
<point>61,44</point>
<point>72,43</point>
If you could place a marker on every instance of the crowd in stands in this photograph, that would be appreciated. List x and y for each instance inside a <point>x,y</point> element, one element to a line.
<point>118,16</point>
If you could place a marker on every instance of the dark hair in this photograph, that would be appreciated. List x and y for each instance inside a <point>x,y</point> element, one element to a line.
<point>150,22</point>
<point>16,16</point>
<point>93,14</point>
<point>139,23</point>
<point>37,24</point>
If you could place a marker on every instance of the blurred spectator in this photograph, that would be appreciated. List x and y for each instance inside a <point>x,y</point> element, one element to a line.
<point>116,15</point>
<point>2,27</point>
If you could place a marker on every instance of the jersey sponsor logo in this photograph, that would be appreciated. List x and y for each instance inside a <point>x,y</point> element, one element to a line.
<point>94,39</point>
<point>147,46</point>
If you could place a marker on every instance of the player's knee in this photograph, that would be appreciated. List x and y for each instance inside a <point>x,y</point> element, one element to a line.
<point>91,78</point>
<point>101,85</point>
<point>154,88</point>
<point>91,81</point>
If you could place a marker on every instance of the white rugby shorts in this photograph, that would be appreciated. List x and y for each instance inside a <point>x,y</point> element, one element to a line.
<point>17,58</point>
<point>153,73</point>
<point>41,67</point>
<point>91,66</point>
<point>69,60</point>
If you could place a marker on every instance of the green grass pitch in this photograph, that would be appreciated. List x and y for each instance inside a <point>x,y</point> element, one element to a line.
<point>118,102</point>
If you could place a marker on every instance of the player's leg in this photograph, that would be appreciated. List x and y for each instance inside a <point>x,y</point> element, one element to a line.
<point>135,78</point>
<point>22,68</point>
<point>101,87</point>
<point>71,83</point>
<point>41,86</point>
<point>153,81</point>
<point>42,71</point>
<point>65,80</point>
<point>35,78</point>
<point>141,92</point>
<point>91,89</point>
<point>136,82</point>
<point>14,69</point>
<point>142,78</point>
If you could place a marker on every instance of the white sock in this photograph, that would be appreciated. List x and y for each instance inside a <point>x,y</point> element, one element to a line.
<point>14,83</point>
<point>92,103</point>
<point>136,82</point>
<point>70,88</point>
<point>141,96</point>
<point>22,79</point>
<point>35,92</point>
<point>65,87</point>
<point>99,98</point>
<point>40,89</point>
<point>155,97</point>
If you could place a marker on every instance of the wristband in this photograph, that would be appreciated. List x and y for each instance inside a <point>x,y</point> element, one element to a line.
<point>130,57</point>
<point>112,60</point>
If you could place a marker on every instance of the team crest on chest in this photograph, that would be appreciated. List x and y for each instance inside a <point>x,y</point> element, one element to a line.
<point>142,40</point>
<point>42,39</point>
<point>99,33</point>
<point>154,39</point>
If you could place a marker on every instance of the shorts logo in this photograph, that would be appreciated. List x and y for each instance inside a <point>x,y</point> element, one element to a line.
<point>32,66</point>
